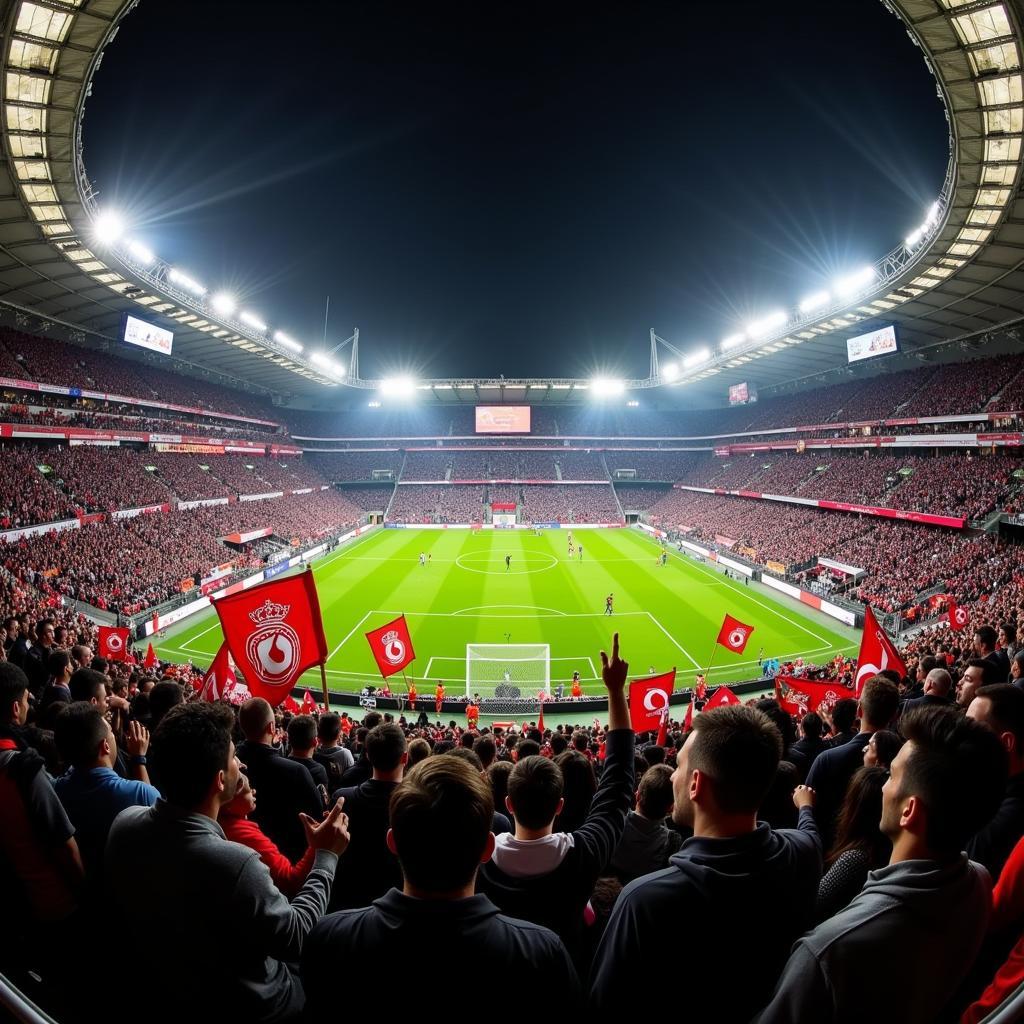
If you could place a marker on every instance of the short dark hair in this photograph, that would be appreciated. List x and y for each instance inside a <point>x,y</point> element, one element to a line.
<point>653,755</point>
<point>302,732</point>
<point>13,684</point>
<point>928,662</point>
<point>535,787</point>
<point>164,696</point>
<point>190,746</point>
<point>990,673</point>
<point>441,816</point>
<point>812,725</point>
<point>1007,709</point>
<point>738,748</point>
<point>78,732</point>
<point>957,769</point>
<point>385,745</point>
<point>844,714</point>
<point>84,683</point>
<point>486,749</point>
<point>328,728</point>
<point>887,746</point>
<point>372,719</point>
<point>1010,630</point>
<point>559,743</point>
<point>467,755</point>
<point>879,701</point>
<point>419,750</point>
<point>527,748</point>
<point>987,635</point>
<point>654,794</point>
<point>57,662</point>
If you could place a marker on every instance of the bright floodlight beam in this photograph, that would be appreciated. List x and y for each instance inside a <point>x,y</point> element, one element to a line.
<point>767,324</point>
<point>816,301</point>
<point>142,253</point>
<point>669,372</point>
<point>732,341</point>
<point>252,320</point>
<point>702,355</point>
<point>182,280</point>
<point>108,227</point>
<point>224,303</point>
<point>283,339</point>
<point>856,281</point>
<point>606,386</point>
<point>398,387</point>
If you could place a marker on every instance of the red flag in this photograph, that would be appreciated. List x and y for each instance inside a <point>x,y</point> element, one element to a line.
<point>219,680</point>
<point>662,730</point>
<point>688,720</point>
<point>876,653</point>
<point>291,705</point>
<point>648,698</point>
<point>733,635</point>
<point>391,646</point>
<point>113,642</point>
<point>540,716</point>
<point>959,616</point>
<point>274,632</point>
<point>150,661</point>
<point>723,695</point>
<point>798,696</point>
<point>308,704</point>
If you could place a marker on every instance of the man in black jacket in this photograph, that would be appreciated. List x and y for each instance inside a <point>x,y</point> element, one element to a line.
<point>734,877</point>
<point>440,832</point>
<point>285,787</point>
<point>369,869</point>
<point>548,877</point>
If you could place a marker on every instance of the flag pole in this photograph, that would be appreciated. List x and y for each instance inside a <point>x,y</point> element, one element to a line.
<point>707,671</point>
<point>323,682</point>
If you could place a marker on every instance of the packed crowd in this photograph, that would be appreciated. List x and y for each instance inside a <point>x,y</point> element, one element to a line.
<point>584,503</point>
<point>886,830</point>
<point>343,467</point>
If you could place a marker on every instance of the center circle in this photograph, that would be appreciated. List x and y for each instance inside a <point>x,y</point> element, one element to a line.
<point>498,563</point>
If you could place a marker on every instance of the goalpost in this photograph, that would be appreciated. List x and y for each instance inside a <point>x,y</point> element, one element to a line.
<point>508,676</point>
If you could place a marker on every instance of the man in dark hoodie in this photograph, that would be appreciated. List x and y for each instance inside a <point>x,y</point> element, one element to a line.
<point>646,843</point>
<point>735,877</point>
<point>906,942</point>
<point>547,877</point>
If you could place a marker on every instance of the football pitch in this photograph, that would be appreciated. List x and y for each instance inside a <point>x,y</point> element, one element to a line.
<point>666,615</point>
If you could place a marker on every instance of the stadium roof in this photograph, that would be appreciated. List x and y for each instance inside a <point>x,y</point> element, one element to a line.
<point>960,275</point>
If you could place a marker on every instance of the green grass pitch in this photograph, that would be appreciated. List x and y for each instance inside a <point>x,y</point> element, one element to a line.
<point>667,615</point>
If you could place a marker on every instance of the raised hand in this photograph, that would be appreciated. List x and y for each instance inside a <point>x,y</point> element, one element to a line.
<point>330,834</point>
<point>614,672</point>
<point>137,739</point>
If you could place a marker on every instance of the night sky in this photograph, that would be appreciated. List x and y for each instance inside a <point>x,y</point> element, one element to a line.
<point>522,189</point>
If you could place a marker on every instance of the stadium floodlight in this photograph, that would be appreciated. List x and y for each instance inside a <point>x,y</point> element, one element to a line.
<point>732,341</point>
<point>816,301</point>
<point>933,214</point>
<point>856,281</point>
<point>224,304</point>
<point>373,405</point>
<point>633,404</point>
<point>605,387</point>
<point>398,387</point>
<point>767,324</point>
<point>182,280</point>
<point>915,236</point>
<point>325,361</point>
<point>143,254</point>
<point>282,339</point>
<point>252,320</point>
<point>108,227</point>
<point>702,355</point>
<point>669,372</point>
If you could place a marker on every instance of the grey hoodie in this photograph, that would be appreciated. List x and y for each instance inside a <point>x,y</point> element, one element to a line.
<point>898,952</point>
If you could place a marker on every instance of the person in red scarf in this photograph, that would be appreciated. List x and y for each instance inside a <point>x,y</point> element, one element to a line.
<point>439,696</point>
<point>234,820</point>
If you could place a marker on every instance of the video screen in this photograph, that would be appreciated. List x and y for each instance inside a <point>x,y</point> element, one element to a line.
<point>866,346</point>
<point>738,394</point>
<point>138,332</point>
<point>502,419</point>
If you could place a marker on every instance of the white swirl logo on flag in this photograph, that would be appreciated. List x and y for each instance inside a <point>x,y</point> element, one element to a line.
<point>394,649</point>
<point>114,643</point>
<point>656,706</point>
<point>737,638</point>
<point>274,649</point>
<point>960,615</point>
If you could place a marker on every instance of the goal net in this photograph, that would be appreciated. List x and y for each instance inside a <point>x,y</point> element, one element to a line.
<point>508,677</point>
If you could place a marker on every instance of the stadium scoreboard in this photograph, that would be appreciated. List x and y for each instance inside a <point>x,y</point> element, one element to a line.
<point>146,335</point>
<point>742,394</point>
<point>866,346</point>
<point>502,419</point>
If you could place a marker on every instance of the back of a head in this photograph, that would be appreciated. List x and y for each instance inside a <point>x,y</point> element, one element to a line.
<point>99,663</point>
<point>164,696</point>
<point>78,731</point>
<point>535,786</point>
<point>738,749</point>
<point>254,716</point>
<point>441,816</point>
<point>580,740</point>
<point>781,718</point>
<point>940,682</point>
<point>328,728</point>
<point>302,732</point>
<point>372,719</point>
<point>86,684</point>
<point>844,714</point>
<point>957,768</point>
<point>498,775</point>
<point>927,663</point>
<point>385,745</point>
<point>879,701</point>
<point>13,684</point>
<point>470,757</point>
<point>57,662</point>
<point>812,725</point>
<point>559,743</point>
<point>189,747</point>
<point>653,755</point>
<point>1005,710</point>
<point>466,740</point>
<point>419,750</point>
<point>987,637</point>
<point>857,826</point>
<point>485,749</point>
<point>654,794</point>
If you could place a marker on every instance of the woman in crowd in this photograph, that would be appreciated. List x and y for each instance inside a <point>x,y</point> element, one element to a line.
<point>881,749</point>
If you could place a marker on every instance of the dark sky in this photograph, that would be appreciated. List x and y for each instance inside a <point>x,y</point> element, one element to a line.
<point>516,188</point>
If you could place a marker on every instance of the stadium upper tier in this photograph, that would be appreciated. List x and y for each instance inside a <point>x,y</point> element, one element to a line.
<point>960,274</point>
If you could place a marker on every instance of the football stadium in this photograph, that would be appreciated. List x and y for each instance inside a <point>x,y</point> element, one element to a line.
<point>511,625</point>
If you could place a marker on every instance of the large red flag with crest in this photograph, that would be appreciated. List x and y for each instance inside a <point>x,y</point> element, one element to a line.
<point>722,696</point>
<point>274,632</point>
<point>876,652</point>
<point>391,646</point>
<point>798,696</point>
<point>113,642</point>
<point>648,698</point>
<point>219,680</point>
<point>959,616</point>
<point>733,635</point>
